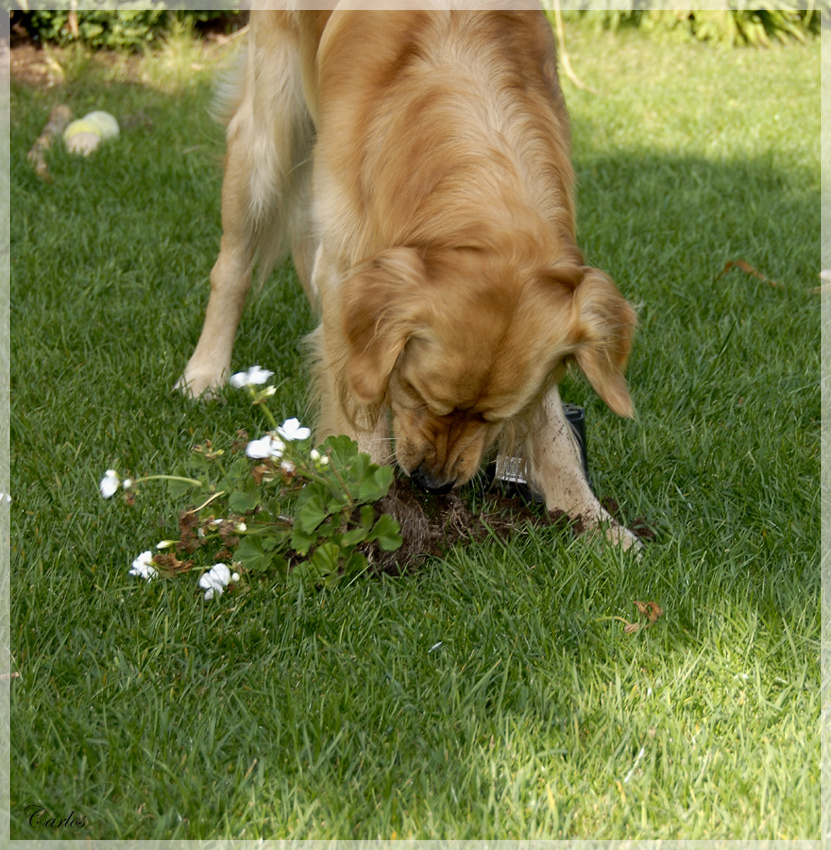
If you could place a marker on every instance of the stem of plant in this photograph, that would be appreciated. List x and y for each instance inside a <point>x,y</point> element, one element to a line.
<point>268,414</point>
<point>193,481</point>
<point>342,483</point>
<point>205,504</point>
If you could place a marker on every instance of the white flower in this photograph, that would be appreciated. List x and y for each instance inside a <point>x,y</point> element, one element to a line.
<point>216,580</point>
<point>143,566</point>
<point>287,466</point>
<point>127,483</point>
<point>109,483</point>
<point>165,544</point>
<point>291,429</point>
<point>240,526</point>
<point>266,446</point>
<point>254,375</point>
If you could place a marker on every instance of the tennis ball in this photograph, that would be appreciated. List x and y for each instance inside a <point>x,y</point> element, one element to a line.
<point>106,124</point>
<point>81,137</point>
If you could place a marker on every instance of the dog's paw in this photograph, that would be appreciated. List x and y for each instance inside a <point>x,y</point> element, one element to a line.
<point>596,523</point>
<point>600,522</point>
<point>619,535</point>
<point>200,384</point>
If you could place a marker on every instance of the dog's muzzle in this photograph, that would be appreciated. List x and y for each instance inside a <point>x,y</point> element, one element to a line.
<point>427,481</point>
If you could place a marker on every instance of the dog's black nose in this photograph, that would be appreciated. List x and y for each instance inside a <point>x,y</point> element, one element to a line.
<point>427,481</point>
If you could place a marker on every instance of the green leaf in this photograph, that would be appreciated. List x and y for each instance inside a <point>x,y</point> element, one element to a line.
<point>361,467</point>
<point>177,489</point>
<point>299,572</point>
<point>353,537</point>
<point>253,554</point>
<point>354,564</point>
<point>376,483</point>
<point>242,501</point>
<point>367,516</point>
<point>239,470</point>
<point>311,511</point>
<point>336,504</point>
<point>198,461</point>
<point>279,564</point>
<point>302,541</point>
<point>387,532</point>
<point>327,529</point>
<point>383,477</point>
<point>342,450</point>
<point>325,560</point>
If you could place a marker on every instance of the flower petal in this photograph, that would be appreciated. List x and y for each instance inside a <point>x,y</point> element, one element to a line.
<point>221,573</point>
<point>238,380</point>
<point>254,375</point>
<point>259,449</point>
<point>258,376</point>
<point>143,566</point>
<point>109,484</point>
<point>291,429</point>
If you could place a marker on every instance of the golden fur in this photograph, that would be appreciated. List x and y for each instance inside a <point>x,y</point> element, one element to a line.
<point>416,164</point>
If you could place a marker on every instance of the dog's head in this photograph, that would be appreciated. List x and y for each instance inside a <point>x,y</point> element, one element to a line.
<point>458,353</point>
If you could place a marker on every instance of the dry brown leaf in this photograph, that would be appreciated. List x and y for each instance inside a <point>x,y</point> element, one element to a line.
<point>171,564</point>
<point>747,269</point>
<point>649,609</point>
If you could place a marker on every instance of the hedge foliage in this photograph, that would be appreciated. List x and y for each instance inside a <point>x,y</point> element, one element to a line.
<point>129,28</point>
<point>760,26</point>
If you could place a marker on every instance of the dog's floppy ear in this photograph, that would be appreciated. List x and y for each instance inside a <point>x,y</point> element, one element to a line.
<point>604,325</point>
<point>382,308</point>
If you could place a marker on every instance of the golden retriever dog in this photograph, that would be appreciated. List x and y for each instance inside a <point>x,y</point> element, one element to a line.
<point>417,166</point>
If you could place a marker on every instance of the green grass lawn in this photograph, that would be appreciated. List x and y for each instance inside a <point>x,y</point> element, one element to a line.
<point>493,693</point>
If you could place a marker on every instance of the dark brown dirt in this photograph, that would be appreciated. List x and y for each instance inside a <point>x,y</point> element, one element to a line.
<point>432,525</point>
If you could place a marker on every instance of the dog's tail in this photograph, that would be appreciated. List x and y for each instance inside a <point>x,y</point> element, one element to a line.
<point>269,138</point>
<point>229,90</point>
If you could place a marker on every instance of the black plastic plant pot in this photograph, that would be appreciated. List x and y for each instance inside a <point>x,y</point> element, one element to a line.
<point>577,419</point>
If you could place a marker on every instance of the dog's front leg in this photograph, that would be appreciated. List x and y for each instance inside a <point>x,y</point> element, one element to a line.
<point>210,363</point>
<point>556,472</point>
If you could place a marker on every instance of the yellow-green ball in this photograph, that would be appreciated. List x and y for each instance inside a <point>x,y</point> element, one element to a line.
<point>81,137</point>
<point>105,123</point>
<point>80,126</point>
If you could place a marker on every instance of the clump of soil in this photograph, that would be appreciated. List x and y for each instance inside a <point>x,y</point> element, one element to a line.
<point>432,525</point>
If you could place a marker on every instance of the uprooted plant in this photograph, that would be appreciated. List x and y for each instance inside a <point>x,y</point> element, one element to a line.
<point>274,504</point>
